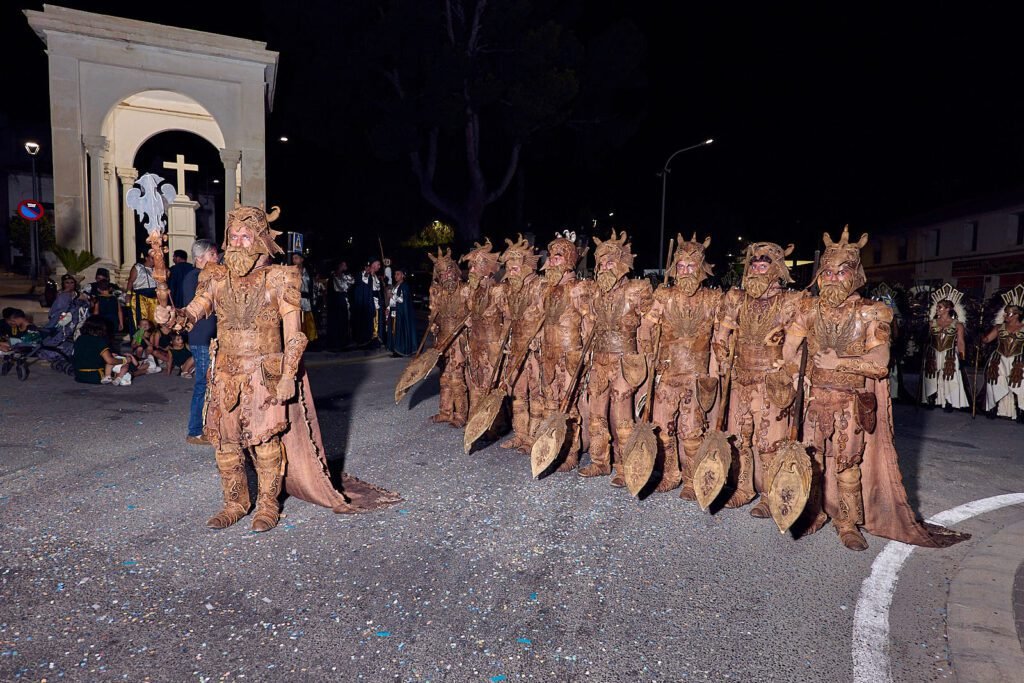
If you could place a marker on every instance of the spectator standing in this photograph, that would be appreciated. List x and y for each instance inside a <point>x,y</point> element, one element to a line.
<point>402,338</point>
<point>338,307</point>
<point>176,274</point>
<point>106,305</point>
<point>142,290</point>
<point>204,252</point>
<point>306,291</point>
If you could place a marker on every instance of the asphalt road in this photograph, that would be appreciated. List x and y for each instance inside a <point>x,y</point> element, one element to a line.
<point>107,571</point>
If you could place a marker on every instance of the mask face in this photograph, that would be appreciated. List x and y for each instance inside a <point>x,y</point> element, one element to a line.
<point>689,283</point>
<point>553,274</point>
<point>756,284</point>
<point>239,260</point>
<point>834,293</point>
<point>606,280</point>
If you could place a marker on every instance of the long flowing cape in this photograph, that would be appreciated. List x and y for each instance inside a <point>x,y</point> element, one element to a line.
<point>886,510</point>
<point>307,476</point>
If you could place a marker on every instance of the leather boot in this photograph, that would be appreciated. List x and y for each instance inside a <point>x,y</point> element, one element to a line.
<point>670,474</point>
<point>851,509</point>
<point>688,448</point>
<point>520,424</point>
<point>624,430</point>
<point>572,458</point>
<point>269,465</point>
<point>460,401</point>
<point>742,471</point>
<point>231,466</point>
<point>600,451</point>
<point>444,404</point>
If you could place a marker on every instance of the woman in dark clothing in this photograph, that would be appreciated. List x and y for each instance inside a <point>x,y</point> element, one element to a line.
<point>402,339</point>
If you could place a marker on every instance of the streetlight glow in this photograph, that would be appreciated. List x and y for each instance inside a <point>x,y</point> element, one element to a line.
<point>284,138</point>
<point>32,148</point>
<point>610,214</point>
<point>664,187</point>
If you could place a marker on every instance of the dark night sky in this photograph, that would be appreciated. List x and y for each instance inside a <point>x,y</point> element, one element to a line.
<point>822,115</point>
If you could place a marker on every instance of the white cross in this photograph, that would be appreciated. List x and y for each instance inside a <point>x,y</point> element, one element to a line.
<point>180,166</point>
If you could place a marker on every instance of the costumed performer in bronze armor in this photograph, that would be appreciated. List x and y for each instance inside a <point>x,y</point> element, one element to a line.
<point>522,301</point>
<point>448,296</point>
<point>621,355</point>
<point>761,393</point>
<point>485,324</point>
<point>687,382</point>
<point>1004,372</point>
<point>568,319</point>
<point>848,420</point>
<point>946,349</point>
<point>258,397</point>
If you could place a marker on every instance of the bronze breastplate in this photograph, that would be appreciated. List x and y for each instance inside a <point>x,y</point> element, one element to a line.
<point>686,334</point>
<point>562,323</point>
<point>843,331</point>
<point>943,338</point>
<point>760,332</point>
<point>1011,343</point>
<point>616,323</point>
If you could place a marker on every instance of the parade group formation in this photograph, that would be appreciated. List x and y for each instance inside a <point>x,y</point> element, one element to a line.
<point>760,395</point>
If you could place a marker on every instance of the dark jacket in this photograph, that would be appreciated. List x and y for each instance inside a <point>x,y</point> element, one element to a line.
<point>175,278</point>
<point>206,329</point>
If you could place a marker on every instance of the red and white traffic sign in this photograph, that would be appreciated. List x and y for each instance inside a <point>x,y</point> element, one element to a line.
<point>31,210</point>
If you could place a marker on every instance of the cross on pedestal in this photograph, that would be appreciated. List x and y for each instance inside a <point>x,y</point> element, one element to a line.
<point>180,166</point>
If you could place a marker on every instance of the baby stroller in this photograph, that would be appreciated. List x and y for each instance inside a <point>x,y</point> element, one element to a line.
<point>54,344</point>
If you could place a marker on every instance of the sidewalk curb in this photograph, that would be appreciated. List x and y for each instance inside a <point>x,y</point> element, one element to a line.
<point>981,627</point>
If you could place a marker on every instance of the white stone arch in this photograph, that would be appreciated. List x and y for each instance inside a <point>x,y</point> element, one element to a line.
<point>102,69</point>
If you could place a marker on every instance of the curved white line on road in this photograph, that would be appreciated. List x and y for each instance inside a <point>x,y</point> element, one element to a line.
<point>871,618</point>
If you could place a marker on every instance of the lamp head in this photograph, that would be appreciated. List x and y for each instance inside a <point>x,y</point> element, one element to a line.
<point>32,148</point>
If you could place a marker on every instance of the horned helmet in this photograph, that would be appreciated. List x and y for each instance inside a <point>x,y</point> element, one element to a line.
<point>756,284</point>
<point>482,261</point>
<point>690,253</point>
<point>240,260</point>
<point>617,251</point>
<point>445,267</point>
<point>520,260</point>
<point>843,255</point>
<point>258,221</point>
<point>563,245</point>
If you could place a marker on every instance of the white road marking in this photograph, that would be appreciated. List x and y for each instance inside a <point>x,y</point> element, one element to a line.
<point>871,618</point>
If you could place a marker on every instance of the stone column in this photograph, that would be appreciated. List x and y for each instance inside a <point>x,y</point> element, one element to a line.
<point>230,157</point>
<point>112,217</point>
<point>99,242</point>
<point>128,176</point>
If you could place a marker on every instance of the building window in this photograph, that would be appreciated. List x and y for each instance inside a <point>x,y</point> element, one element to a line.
<point>876,254</point>
<point>938,241</point>
<point>901,250</point>
<point>971,235</point>
<point>1020,229</point>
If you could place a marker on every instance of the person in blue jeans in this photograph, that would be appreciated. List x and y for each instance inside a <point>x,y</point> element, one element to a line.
<point>203,252</point>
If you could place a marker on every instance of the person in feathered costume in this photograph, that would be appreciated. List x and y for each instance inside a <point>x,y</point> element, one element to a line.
<point>848,418</point>
<point>1004,371</point>
<point>943,381</point>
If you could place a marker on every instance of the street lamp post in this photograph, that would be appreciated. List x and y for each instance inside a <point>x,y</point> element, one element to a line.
<point>33,149</point>
<point>664,184</point>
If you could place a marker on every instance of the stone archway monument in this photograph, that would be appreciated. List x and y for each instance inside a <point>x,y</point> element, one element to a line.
<point>115,83</point>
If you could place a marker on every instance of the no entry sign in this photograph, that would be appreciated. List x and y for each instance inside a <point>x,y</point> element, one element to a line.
<point>30,210</point>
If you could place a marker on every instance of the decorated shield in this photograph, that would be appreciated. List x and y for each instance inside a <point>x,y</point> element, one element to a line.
<point>634,368</point>
<point>483,417</point>
<point>713,460</point>
<point>547,445</point>
<point>417,369</point>
<point>707,391</point>
<point>789,483</point>
<point>638,457</point>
